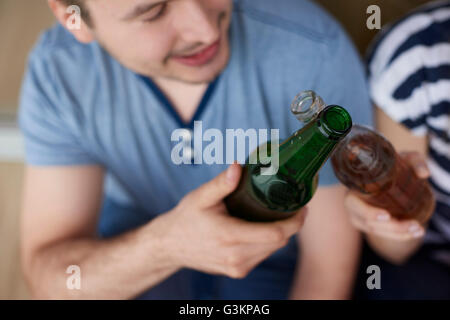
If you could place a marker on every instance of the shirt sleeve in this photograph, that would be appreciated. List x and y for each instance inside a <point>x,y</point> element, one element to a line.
<point>49,138</point>
<point>400,78</point>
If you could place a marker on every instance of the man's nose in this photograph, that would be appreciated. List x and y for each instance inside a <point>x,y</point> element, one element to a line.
<point>195,24</point>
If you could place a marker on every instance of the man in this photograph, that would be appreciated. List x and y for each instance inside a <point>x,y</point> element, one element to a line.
<point>100,103</point>
<point>409,82</point>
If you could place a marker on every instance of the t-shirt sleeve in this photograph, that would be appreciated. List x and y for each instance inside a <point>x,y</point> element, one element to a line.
<point>50,137</point>
<point>401,78</point>
<point>343,82</point>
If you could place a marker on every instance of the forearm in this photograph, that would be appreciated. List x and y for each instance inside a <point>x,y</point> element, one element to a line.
<point>394,251</point>
<point>330,249</point>
<point>117,268</point>
<point>325,278</point>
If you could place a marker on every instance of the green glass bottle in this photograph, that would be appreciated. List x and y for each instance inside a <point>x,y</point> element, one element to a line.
<point>262,197</point>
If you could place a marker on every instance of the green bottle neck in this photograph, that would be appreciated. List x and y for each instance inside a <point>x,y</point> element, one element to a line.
<point>304,153</point>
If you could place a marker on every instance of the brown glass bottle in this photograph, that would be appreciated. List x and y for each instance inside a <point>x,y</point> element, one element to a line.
<point>366,162</point>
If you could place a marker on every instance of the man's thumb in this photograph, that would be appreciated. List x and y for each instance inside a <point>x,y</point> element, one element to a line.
<point>218,188</point>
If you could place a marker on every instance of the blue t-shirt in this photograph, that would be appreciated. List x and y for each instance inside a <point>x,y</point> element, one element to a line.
<point>80,106</point>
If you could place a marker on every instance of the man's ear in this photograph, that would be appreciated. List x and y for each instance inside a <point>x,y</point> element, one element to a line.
<point>79,29</point>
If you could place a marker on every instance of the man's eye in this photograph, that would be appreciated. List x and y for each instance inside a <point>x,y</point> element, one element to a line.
<point>155,13</point>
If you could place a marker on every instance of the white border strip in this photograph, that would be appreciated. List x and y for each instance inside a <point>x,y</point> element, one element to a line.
<point>11,143</point>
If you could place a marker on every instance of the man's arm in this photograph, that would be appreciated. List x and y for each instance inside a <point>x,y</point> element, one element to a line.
<point>60,213</point>
<point>59,219</point>
<point>329,251</point>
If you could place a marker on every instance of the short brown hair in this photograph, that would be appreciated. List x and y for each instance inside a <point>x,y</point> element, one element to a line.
<point>84,12</point>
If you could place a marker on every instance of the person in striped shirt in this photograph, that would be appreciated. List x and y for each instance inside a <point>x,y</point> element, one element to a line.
<point>409,78</point>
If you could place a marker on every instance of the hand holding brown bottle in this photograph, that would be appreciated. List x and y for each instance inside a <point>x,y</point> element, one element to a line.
<point>380,222</point>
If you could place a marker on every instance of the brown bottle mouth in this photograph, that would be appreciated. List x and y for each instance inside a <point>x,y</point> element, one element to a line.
<point>362,158</point>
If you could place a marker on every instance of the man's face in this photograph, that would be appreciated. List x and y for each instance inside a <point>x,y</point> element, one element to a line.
<point>186,40</point>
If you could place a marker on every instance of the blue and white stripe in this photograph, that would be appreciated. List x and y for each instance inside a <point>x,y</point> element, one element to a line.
<point>409,77</point>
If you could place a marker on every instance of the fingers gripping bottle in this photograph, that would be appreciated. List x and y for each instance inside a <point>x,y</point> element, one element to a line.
<point>367,163</point>
<point>263,196</point>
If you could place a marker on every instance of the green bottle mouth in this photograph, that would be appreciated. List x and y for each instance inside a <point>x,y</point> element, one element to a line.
<point>335,121</point>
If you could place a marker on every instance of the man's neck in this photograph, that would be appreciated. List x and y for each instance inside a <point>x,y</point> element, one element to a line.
<point>184,97</point>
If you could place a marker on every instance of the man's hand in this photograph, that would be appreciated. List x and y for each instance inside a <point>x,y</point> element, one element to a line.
<point>200,234</point>
<point>379,222</point>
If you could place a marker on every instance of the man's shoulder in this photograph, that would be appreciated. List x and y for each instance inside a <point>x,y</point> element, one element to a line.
<point>58,49</point>
<point>301,17</point>
<point>56,39</point>
<point>60,59</point>
<point>60,70</point>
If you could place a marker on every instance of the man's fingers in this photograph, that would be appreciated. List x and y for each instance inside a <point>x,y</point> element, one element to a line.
<point>262,254</point>
<point>248,257</point>
<point>266,232</point>
<point>217,189</point>
<point>418,162</point>
<point>293,225</point>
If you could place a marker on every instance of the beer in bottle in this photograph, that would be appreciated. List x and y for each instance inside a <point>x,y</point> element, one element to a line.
<point>367,163</point>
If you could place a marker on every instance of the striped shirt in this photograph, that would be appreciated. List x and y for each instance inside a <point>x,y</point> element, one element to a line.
<point>409,76</point>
